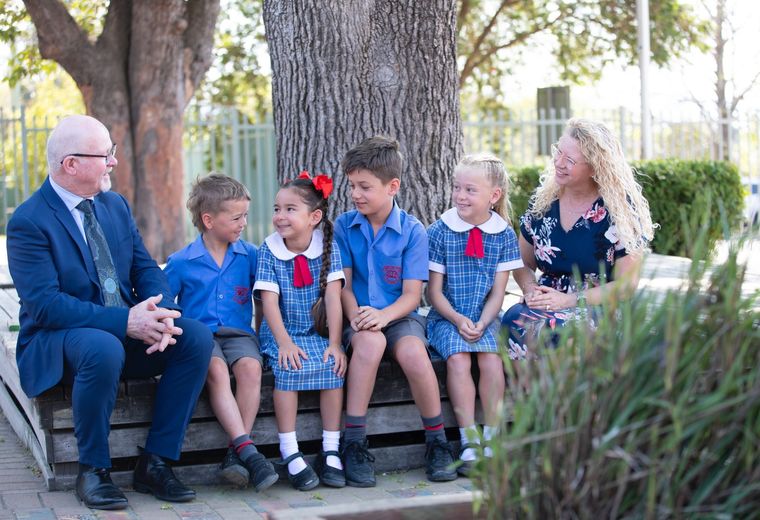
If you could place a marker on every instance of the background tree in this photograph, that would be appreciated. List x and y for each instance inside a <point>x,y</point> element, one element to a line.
<point>583,35</point>
<point>733,80</point>
<point>344,71</point>
<point>136,76</point>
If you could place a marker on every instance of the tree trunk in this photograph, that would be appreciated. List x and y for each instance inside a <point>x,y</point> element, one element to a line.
<point>343,71</point>
<point>137,79</point>
<point>723,141</point>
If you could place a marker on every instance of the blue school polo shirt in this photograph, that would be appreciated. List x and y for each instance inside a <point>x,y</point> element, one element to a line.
<point>213,295</point>
<point>380,263</point>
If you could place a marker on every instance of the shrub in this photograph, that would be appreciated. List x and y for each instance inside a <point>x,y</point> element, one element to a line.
<point>684,193</point>
<point>656,414</point>
<point>680,195</point>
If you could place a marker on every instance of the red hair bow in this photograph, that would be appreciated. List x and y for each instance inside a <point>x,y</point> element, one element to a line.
<point>322,183</point>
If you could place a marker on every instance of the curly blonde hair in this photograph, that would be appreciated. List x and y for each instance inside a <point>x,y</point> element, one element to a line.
<point>496,173</point>
<point>615,179</point>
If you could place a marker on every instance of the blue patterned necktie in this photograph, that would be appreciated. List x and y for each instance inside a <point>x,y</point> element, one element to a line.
<point>101,255</point>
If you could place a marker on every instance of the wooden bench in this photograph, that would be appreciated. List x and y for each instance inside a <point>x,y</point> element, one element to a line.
<point>45,423</point>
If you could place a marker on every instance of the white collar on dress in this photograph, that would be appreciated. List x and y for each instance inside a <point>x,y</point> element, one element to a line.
<point>280,251</point>
<point>493,225</point>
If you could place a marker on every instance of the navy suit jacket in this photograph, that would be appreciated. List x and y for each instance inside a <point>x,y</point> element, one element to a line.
<point>57,283</point>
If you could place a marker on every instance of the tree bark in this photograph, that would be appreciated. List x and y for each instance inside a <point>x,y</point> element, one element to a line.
<point>137,78</point>
<point>343,71</point>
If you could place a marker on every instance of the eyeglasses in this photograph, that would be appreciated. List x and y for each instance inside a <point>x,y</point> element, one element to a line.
<point>557,153</point>
<point>111,153</point>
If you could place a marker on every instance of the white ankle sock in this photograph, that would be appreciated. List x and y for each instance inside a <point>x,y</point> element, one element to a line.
<point>488,434</point>
<point>289,446</point>
<point>331,442</point>
<point>469,435</point>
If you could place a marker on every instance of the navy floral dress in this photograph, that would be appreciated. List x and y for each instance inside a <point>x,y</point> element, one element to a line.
<point>591,246</point>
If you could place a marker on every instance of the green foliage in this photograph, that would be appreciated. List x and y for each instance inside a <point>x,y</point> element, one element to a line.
<point>524,182</point>
<point>655,414</point>
<point>239,75</point>
<point>17,30</point>
<point>682,195</point>
<point>685,194</point>
<point>584,36</point>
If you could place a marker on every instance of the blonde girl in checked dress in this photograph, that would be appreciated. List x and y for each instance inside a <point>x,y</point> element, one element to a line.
<point>472,250</point>
<point>297,264</point>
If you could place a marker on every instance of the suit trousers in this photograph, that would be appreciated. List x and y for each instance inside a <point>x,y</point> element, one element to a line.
<point>95,361</point>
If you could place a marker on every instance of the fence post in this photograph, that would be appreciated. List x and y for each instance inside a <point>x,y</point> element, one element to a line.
<point>24,156</point>
<point>621,117</point>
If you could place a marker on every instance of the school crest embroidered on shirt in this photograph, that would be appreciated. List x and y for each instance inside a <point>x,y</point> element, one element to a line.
<point>242,294</point>
<point>392,274</point>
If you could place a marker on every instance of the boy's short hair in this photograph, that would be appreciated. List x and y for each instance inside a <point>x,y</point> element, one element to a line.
<point>379,154</point>
<point>209,193</point>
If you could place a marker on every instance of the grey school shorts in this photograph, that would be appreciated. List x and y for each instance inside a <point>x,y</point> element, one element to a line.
<point>231,344</point>
<point>410,325</point>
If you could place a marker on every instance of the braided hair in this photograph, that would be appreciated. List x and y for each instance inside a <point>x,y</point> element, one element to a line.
<point>315,200</point>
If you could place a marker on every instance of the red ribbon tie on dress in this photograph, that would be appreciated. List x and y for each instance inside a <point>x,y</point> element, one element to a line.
<point>474,244</point>
<point>301,274</point>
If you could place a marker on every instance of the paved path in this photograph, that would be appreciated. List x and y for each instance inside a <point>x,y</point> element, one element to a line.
<point>24,496</point>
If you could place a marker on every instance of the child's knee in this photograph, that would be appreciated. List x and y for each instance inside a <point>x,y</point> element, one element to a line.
<point>412,355</point>
<point>368,347</point>
<point>459,363</point>
<point>247,372</point>
<point>490,363</point>
<point>217,371</point>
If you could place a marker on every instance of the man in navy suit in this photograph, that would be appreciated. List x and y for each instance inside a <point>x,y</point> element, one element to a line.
<point>88,329</point>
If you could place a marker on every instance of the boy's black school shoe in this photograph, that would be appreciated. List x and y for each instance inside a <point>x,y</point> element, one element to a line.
<point>439,461</point>
<point>232,470</point>
<point>328,475</point>
<point>261,471</point>
<point>304,480</point>
<point>357,464</point>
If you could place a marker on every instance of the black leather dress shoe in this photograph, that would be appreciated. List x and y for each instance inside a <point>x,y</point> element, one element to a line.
<point>153,475</point>
<point>96,489</point>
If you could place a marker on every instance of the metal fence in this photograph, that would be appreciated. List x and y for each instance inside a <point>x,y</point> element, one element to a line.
<point>523,139</point>
<point>227,141</point>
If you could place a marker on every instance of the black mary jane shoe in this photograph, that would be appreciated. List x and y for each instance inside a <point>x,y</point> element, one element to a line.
<point>96,490</point>
<point>304,480</point>
<point>153,475</point>
<point>328,475</point>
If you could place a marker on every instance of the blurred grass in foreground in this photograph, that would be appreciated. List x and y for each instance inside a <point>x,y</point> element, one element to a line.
<point>656,414</point>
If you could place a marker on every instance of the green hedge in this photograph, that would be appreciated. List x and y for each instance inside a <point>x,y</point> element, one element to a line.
<point>679,192</point>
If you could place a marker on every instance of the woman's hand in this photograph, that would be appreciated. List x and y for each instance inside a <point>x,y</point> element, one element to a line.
<point>547,299</point>
<point>289,356</point>
<point>341,361</point>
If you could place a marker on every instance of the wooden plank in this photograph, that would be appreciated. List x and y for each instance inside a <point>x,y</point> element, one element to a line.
<point>135,404</point>
<point>391,458</point>
<point>26,434</point>
<point>207,435</point>
<point>10,308</point>
<point>10,378</point>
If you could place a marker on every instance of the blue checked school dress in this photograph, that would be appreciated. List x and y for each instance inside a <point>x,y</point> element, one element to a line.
<point>591,246</point>
<point>275,273</point>
<point>467,280</point>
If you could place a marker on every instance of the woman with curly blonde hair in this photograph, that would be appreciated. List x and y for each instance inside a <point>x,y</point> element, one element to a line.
<point>588,216</point>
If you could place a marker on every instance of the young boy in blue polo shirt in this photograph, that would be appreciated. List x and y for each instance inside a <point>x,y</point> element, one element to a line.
<point>384,251</point>
<point>212,278</point>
